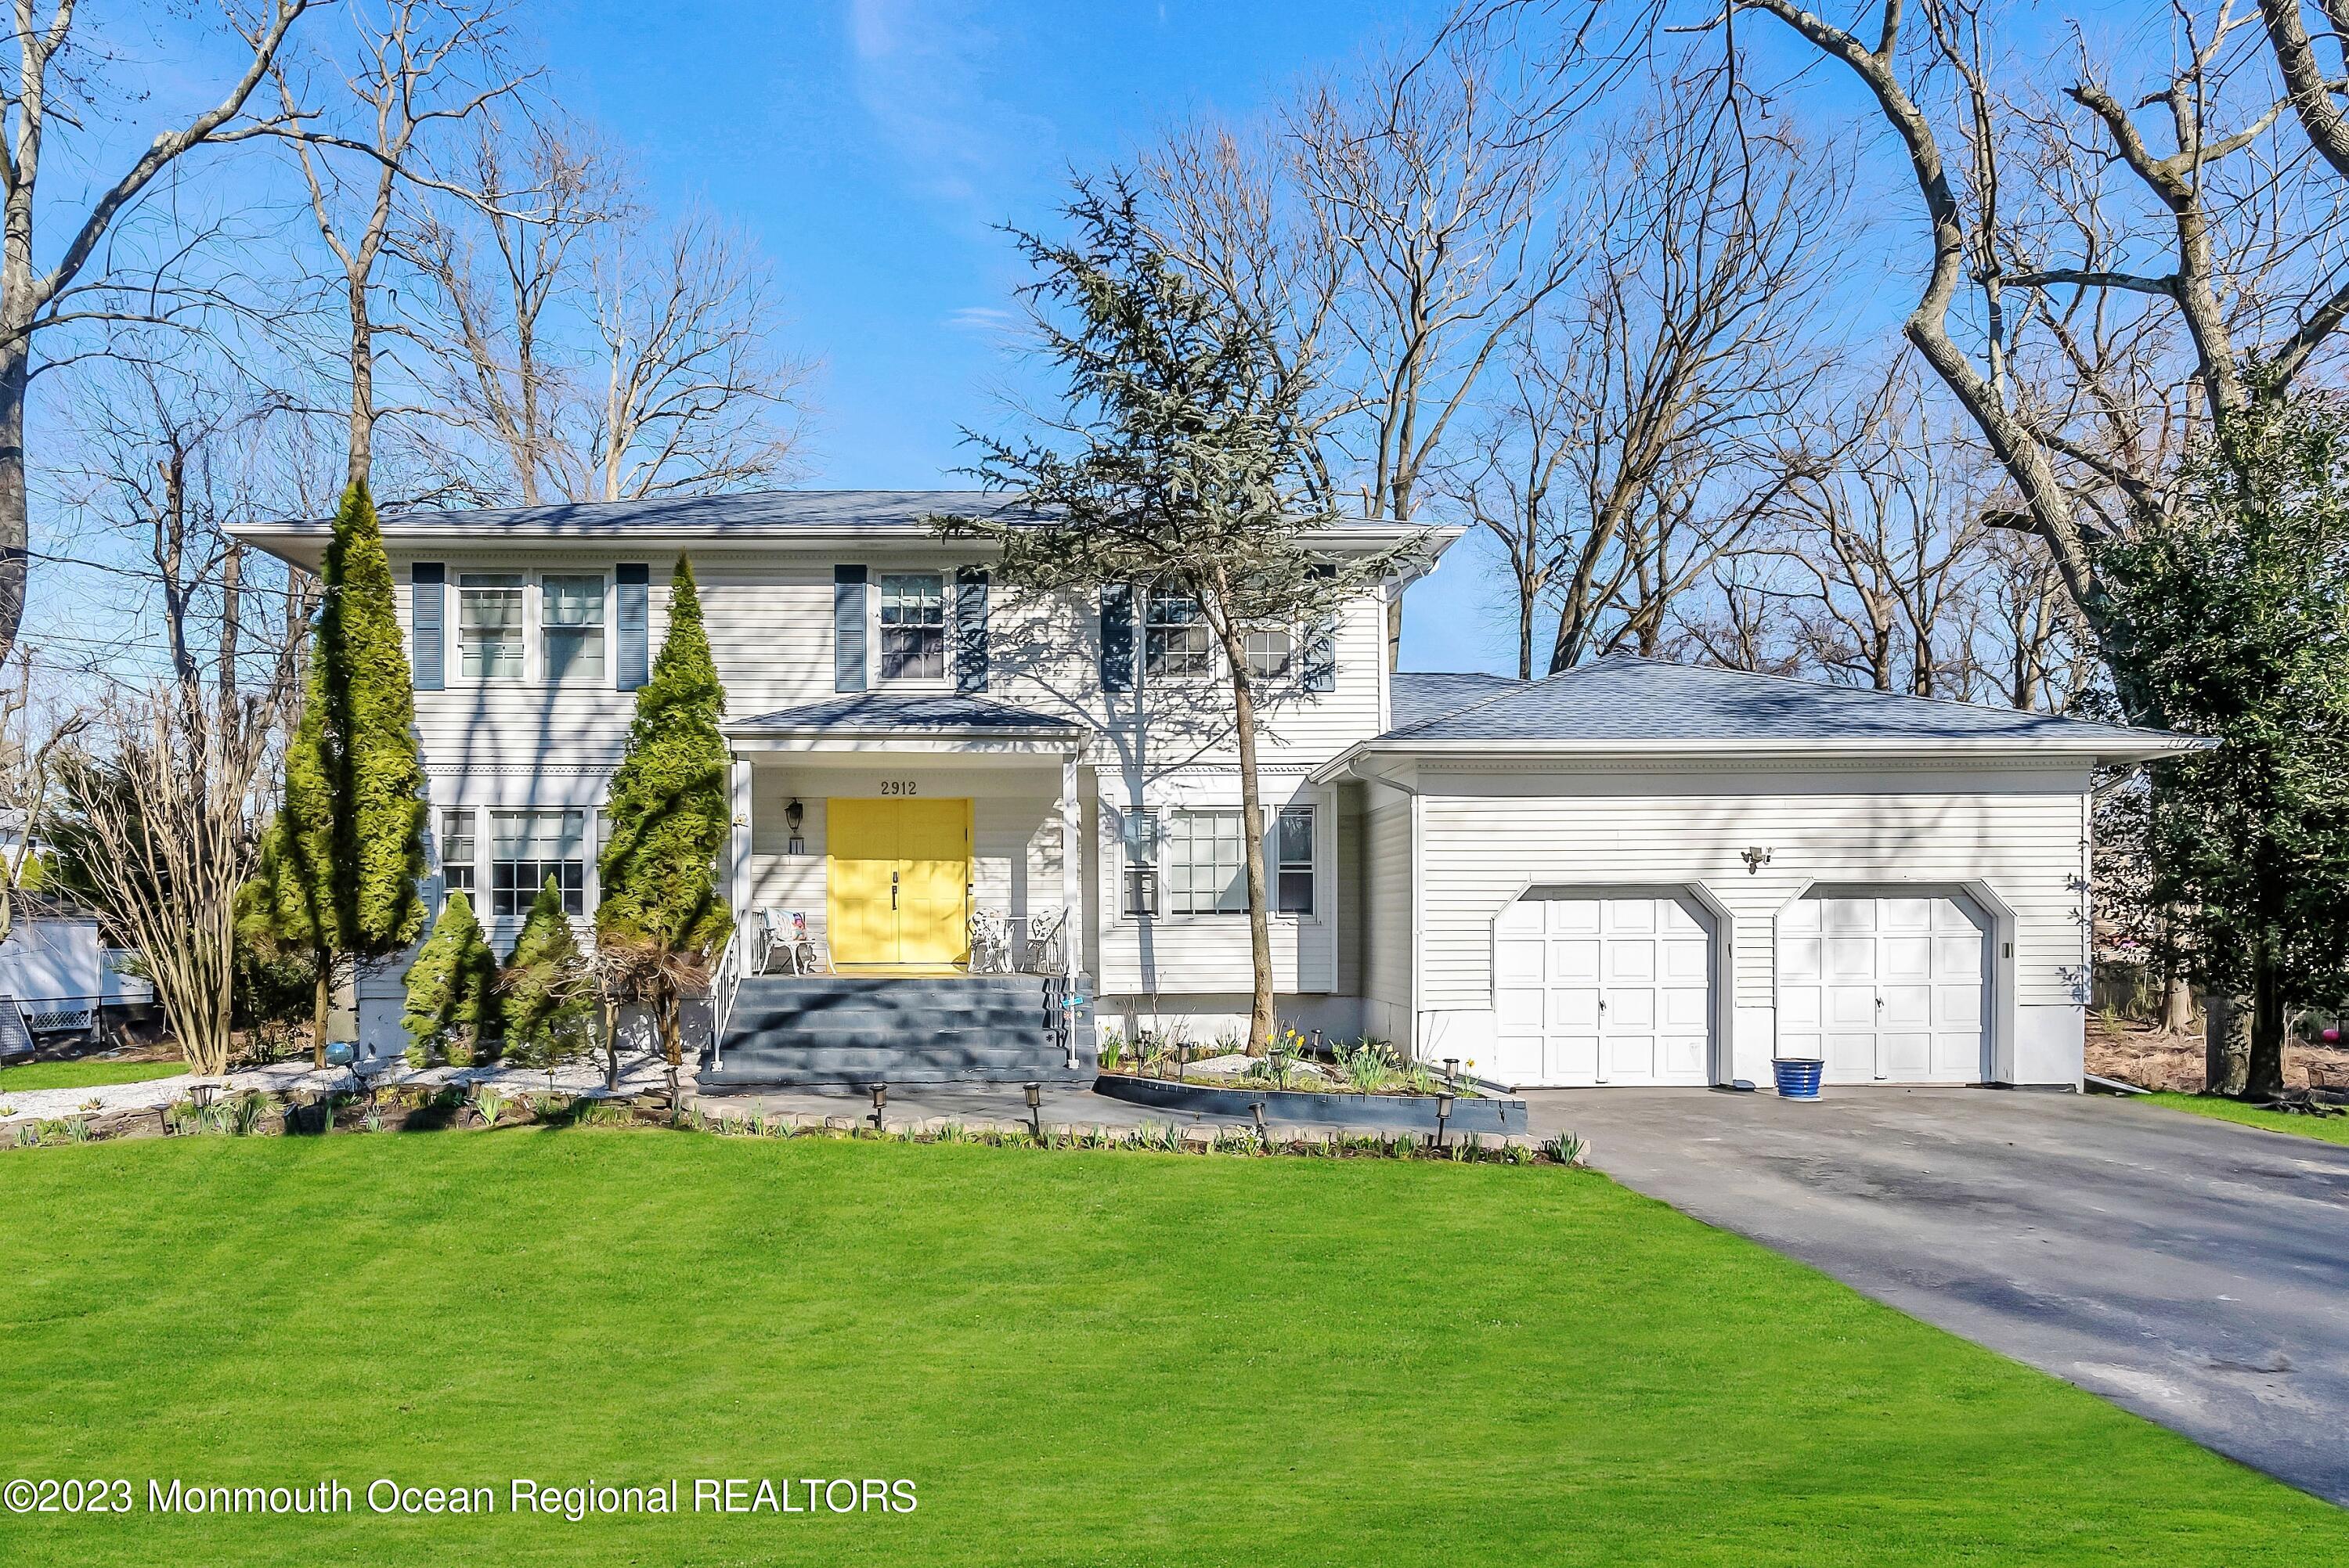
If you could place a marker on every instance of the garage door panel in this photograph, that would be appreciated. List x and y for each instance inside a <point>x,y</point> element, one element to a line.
<point>1682,1054</point>
<point>1802,961</point>
<point>1907,1008</point>
<point>1686,1008</point>
<point>1573,958</point>
<point>1851,1007</point>
<point>1905,958</point>
<point>1904,1054</point>
<point>1574,1008</point>
<point>1850,958</point>
<point>1633,960</point>
<point>1850,1055</point>
<point>1630,1009</point>
<point>1647,959</point>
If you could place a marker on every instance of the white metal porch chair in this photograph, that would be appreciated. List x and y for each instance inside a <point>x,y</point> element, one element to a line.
<point>788,949</point>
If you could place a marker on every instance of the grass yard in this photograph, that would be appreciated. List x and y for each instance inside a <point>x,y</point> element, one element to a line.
<point>82,1074</point>
<point>1078,1357</point>
<point>2332,1128</point>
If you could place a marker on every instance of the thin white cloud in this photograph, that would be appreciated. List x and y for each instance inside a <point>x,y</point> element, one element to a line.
<point>982,318</point>
<point>919,69</point>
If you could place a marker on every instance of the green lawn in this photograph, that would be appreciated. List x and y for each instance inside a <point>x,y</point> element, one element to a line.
<point>83,1075</point>
<point>1096,1357</point>
<point>2332,1128</point>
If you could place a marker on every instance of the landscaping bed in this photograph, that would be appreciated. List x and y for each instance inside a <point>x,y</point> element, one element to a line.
<point>1406,1112</point>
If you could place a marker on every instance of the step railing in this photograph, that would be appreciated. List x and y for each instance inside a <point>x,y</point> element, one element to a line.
<point>729,979</point>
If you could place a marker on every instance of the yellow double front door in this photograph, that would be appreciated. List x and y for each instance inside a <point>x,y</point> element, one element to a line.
<point>898,881</point>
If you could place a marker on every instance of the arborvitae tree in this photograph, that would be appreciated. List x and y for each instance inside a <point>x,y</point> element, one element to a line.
<point>547,996</point>
<point>449,989</point>
<point>661,915</point>
<point>342,864</point>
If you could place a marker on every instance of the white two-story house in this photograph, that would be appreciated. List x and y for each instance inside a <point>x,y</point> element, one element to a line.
<point>1630,873</point>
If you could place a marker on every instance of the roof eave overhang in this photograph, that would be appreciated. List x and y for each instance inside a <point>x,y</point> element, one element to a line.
<point>2087,750</point>
<point>304,543</point>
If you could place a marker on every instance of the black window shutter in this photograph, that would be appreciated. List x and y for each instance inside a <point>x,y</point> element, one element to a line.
<point>848,628</point>
<point>427,588</point>
<point>632,642</point>
<point>1321,660</point>
<point>1117,636</point>
<point>971,629</point>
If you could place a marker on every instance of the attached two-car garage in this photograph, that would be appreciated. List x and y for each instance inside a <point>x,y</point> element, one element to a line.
<point>1608,988</point>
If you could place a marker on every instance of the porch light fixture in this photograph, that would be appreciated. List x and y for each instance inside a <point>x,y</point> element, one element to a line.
<point>1755,858</point>
<point>880,1099</point>
<point>1035,1111</point>
<point>793,815</point>
<point>1443,1115</point>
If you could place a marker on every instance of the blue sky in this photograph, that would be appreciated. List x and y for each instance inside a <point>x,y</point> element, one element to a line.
<point>872,146</point>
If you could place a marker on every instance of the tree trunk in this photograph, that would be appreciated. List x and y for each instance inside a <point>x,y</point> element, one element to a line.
<point>611,1044</point>
<point>362,441</point>
<point>321,999</point>
<point>1260,1012</point>
<point>15,377</point>
<point>2227,1044</point>
<point>2176,1004</point>
<point>2263,1073</point>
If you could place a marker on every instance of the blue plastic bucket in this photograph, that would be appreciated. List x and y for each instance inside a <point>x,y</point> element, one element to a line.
<point>1798,1077</point>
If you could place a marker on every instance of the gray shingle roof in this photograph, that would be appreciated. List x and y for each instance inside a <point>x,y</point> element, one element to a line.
<point>752,512</point>
<point>1635,700</point>
<point>893,711</point>
<point>1418,695</point>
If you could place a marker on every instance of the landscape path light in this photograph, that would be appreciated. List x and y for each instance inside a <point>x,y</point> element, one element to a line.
<point>1036,1110</point>
<point>880,1100</point>
<point>1443,1115</point>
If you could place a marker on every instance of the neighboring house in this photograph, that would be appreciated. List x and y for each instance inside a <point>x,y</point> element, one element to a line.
<point>1632,872</point>
<point>57,975</point>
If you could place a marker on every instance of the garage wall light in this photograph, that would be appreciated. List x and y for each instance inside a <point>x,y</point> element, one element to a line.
<point>1755,858</point>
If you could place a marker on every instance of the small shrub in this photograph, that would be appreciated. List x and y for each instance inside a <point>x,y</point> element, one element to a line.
<point>489,1105</point>
<point>242,1115</point>
<point>1113,1050</point>
<point>1564,1148</point>
<point>28,1136</point>
<point>77,1129</point>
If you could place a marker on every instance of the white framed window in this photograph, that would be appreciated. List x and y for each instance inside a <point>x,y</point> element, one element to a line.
<point>1292,859</point>
<point>1176,643</point>
<point>1140,863</point>
<point>1203,859</point>
<point>912,626</point>
<point>528,847</point>
<point>489,636</point>
<point>1270,652</point>
<point>570,627</point>
<point>459,851</point>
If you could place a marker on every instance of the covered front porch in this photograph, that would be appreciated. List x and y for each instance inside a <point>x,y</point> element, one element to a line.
<point>905,844</point>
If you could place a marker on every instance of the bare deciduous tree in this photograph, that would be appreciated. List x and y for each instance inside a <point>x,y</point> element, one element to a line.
<point>51,86</point>
<point>419,67</point>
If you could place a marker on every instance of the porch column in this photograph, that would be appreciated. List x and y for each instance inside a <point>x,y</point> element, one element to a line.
<point>1072,866</point>
<point>738,890</point>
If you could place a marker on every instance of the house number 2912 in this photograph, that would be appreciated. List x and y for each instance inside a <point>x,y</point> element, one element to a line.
<point>897,785</point>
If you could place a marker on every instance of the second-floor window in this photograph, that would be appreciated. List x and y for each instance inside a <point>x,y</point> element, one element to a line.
<point>912,626</point>
<point>571,621</point>
<point>1269,652</point>
<point>1175,641</point>
<point>489,625</point>
<point>526,848</point>
<point>457,850</point>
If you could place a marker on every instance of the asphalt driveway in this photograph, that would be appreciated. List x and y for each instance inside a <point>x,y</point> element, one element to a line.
<point>2192,1271</point>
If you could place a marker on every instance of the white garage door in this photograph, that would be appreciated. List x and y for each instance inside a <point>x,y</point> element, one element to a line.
<point>1601,991</point>
<point>1885,990</point>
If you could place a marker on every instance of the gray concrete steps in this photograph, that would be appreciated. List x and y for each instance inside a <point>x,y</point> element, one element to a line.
<point>828,1029</point>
